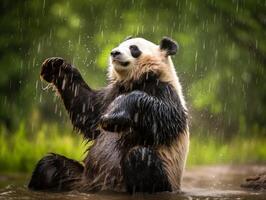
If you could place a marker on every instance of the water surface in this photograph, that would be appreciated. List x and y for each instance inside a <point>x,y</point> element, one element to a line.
<point>209,182</point>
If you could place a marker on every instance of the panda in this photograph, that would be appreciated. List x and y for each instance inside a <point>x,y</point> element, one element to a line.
<point>138,122</point>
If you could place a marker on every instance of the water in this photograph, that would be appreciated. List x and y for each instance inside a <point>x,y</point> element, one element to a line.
<point>209,183</point>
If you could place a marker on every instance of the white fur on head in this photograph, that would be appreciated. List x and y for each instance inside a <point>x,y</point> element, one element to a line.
<point>145,46</point>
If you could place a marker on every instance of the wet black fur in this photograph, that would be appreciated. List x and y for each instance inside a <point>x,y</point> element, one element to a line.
<point>56,173</point>
<point>147,112</point>
<point>149,107</point>
<point>143,171</point>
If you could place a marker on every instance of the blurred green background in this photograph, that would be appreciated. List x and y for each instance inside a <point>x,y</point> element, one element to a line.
<point>221,65</point>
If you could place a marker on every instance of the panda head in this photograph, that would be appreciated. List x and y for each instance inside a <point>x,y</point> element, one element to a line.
<point>136,56</point>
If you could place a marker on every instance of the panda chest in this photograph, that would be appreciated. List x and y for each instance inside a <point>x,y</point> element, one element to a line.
<point>148,84</point>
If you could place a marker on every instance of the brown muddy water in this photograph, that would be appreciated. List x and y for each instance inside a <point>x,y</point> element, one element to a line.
<point>209,182</point>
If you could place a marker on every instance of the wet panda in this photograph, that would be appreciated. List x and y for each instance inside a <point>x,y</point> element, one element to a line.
<point>138,123</point>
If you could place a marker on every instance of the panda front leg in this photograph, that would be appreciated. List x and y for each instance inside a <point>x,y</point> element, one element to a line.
<point>57,173</point>
<point>144,172</point>
<point>81,102</point>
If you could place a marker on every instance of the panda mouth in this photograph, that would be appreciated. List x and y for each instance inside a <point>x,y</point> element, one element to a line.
<point>124,64</point>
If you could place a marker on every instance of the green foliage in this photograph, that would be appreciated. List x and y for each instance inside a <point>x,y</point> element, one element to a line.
<point>240,150</point>
<point>221,63</point>
<point>19,152</point>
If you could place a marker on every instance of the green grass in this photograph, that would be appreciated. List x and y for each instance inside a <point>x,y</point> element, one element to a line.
<point>20,151</point>
<point>239,150</point>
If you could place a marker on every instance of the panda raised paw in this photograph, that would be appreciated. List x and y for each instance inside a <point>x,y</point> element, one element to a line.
<point>51,68</point>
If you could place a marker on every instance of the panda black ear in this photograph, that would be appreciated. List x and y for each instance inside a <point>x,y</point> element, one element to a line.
<point>128,37</point>
<point>168,45</point>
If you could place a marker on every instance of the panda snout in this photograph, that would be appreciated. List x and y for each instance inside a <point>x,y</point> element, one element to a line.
<point>118,58</point>
<point>115,53</point>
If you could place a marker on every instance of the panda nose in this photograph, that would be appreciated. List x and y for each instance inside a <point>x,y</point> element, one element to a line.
<point>115,53</point>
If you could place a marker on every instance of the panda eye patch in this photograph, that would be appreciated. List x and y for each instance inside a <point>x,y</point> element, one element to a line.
<point>135,52</point>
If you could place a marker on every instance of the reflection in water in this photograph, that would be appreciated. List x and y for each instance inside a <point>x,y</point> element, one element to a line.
<point>217,182</point>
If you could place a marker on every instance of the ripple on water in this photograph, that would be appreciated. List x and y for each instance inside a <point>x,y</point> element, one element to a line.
<point>200,183</point>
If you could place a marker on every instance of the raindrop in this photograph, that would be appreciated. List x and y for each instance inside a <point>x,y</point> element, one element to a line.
<point>142,154</point>
<point>83,120</point>
<point>40,99</point>
<point>64,84</point>
<point>33,62</point>
<point>76,91</point>
<point>136,116</point>
<point>36,84</point>
<point>56,109</point>
<point>83,107</point>
<point>39,47</point>
<point>137,30</point>
<point>43,5</point>
<point>196,59</point>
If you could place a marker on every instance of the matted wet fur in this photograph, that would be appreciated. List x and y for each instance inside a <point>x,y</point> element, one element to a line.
<point>138,124</point>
